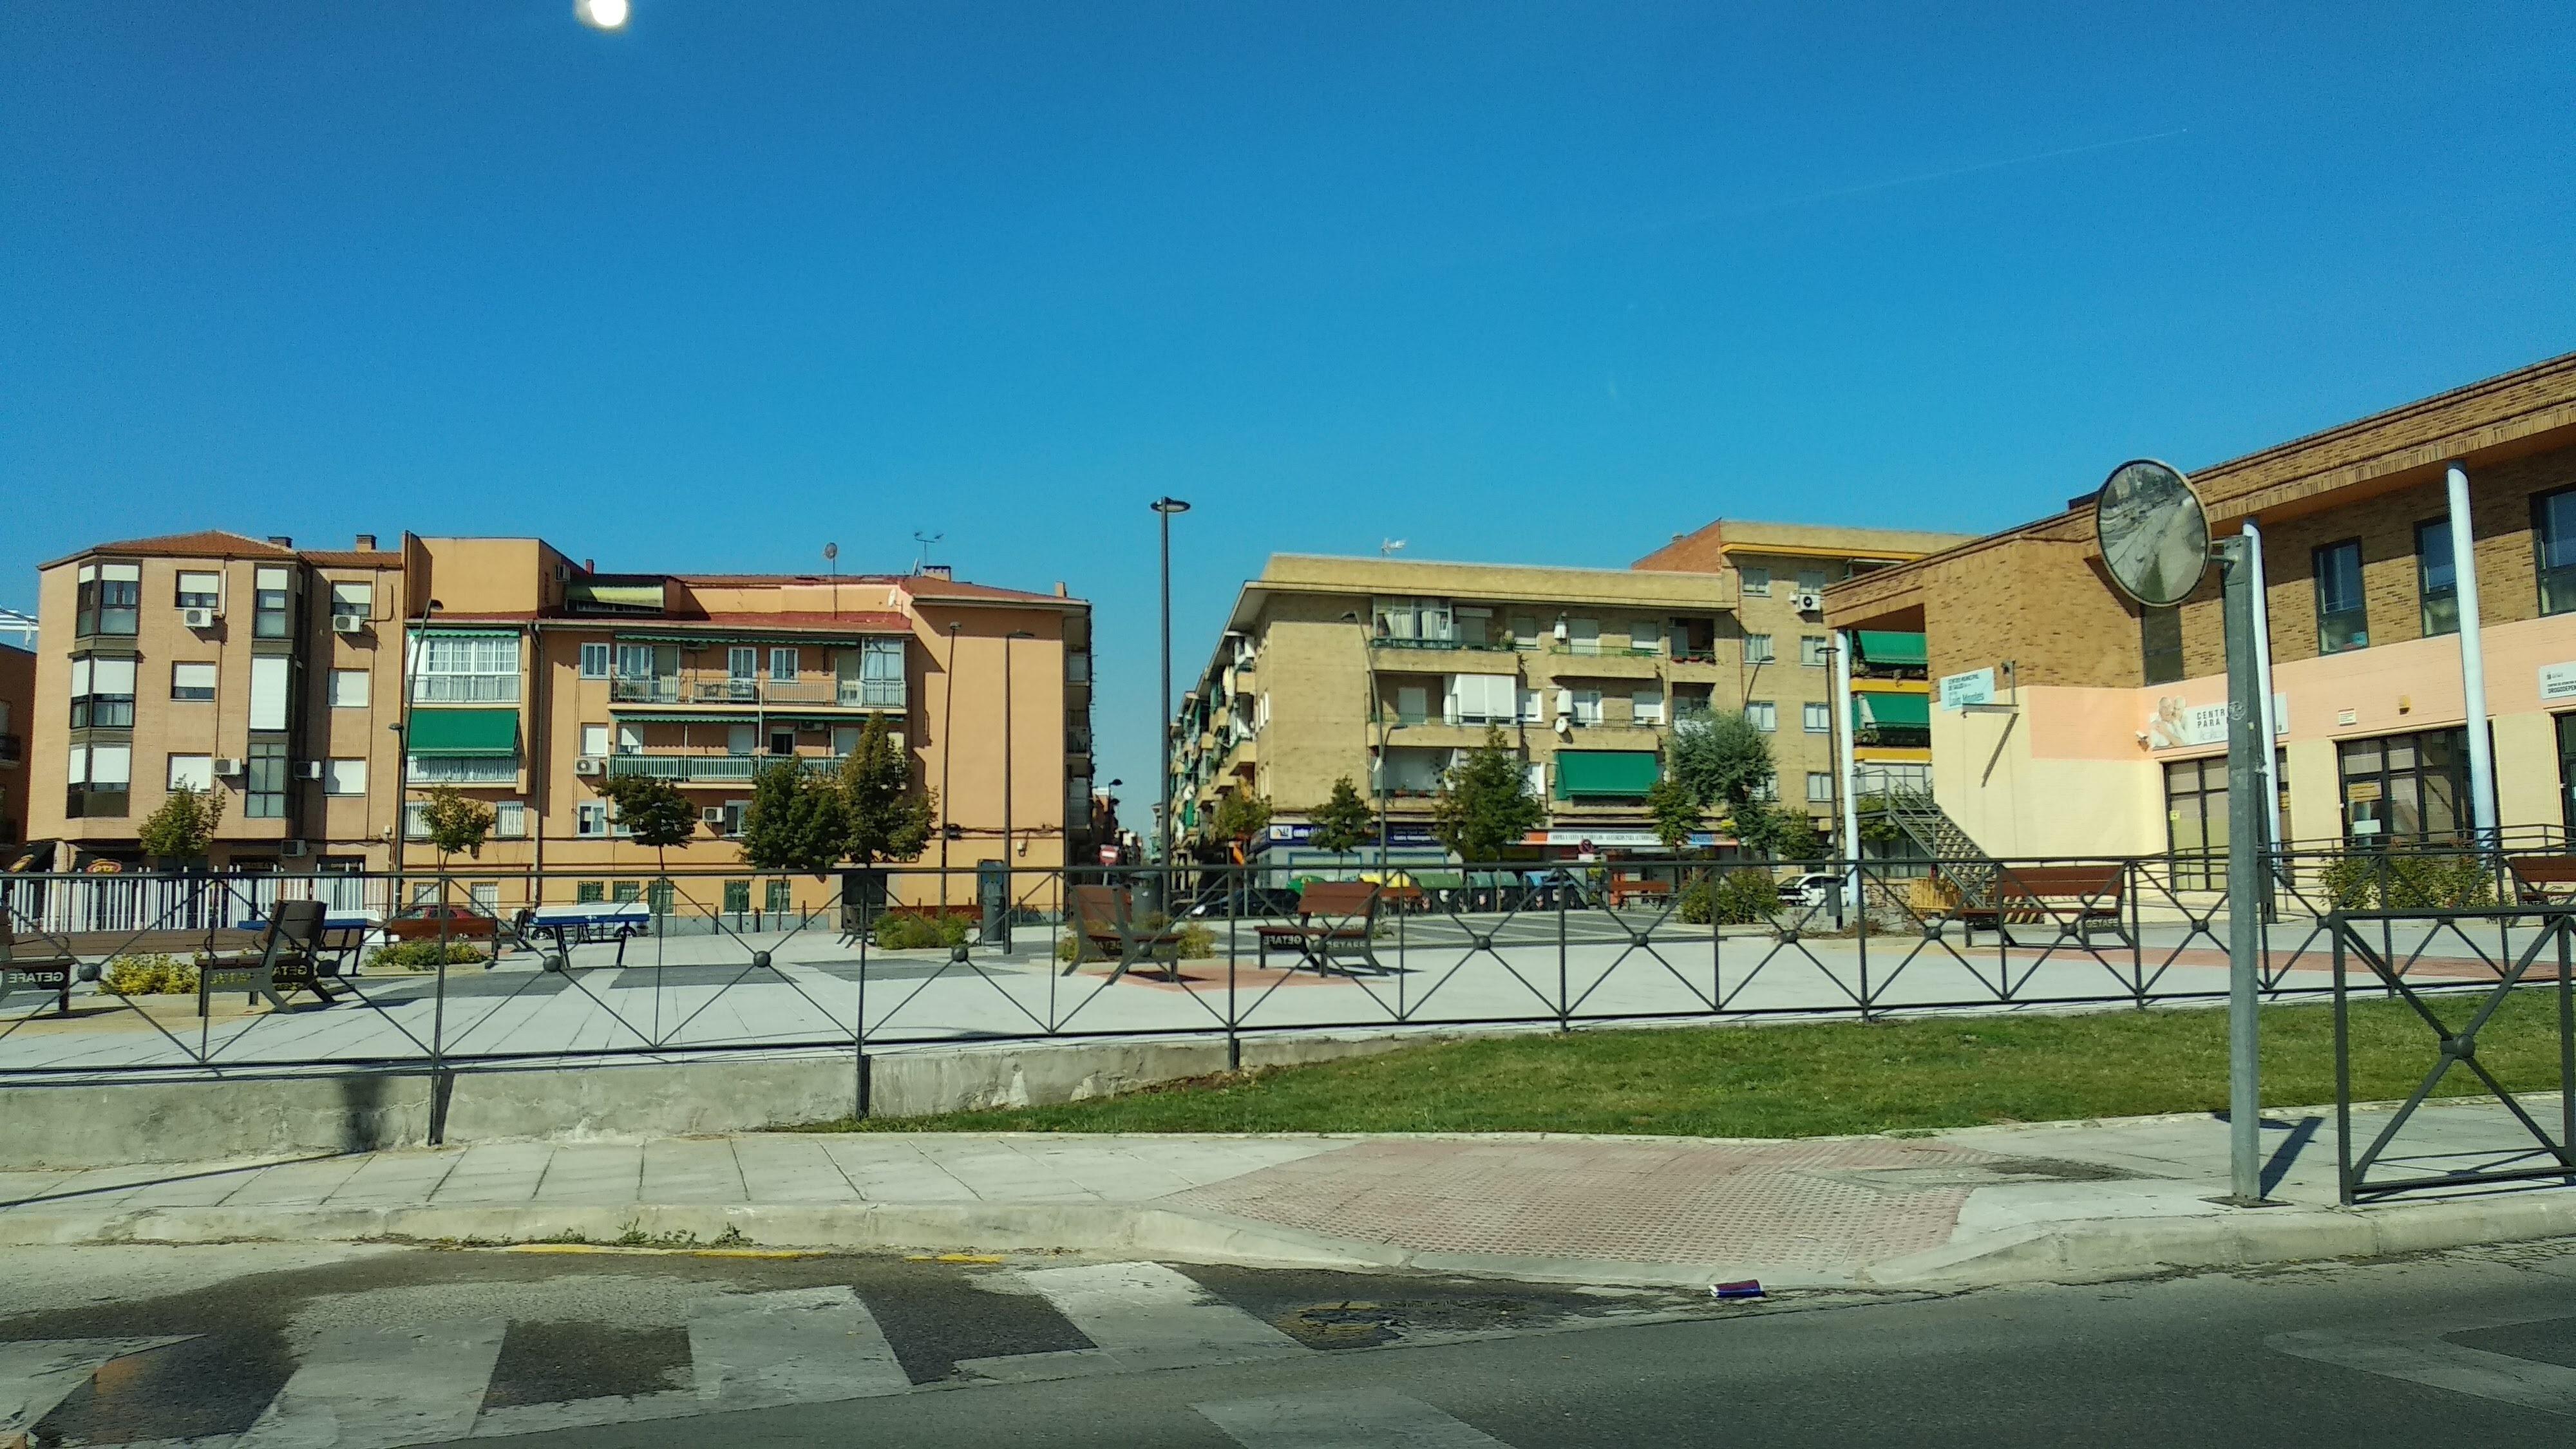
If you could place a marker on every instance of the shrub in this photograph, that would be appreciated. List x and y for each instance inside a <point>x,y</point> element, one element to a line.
<point>154,975</point>
<point>919,930</point>
<point>1197,942</point>
<point>422,955</point>
<point>1736,899</point>
<point>2368,881</point>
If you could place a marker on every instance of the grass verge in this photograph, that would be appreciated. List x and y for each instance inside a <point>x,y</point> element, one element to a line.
<point>1810,1079</point>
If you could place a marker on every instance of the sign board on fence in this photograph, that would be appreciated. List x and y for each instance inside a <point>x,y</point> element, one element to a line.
<point>1958,691</point>
<point>2177,726</point>
<point>2558,681</point>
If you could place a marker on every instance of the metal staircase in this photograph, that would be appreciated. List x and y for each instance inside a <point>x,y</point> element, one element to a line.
<point>1961,861</point>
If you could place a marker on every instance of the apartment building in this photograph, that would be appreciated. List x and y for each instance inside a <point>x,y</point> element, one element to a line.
<point>282,678</point>
<point>17,712</point>
<point>2080,724</point>
<point>1384,671</point>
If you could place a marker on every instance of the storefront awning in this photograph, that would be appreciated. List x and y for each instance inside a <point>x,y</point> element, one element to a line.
<point>1604,772</point>
<point>1877,647</point>
<point>478,733</point>
<point>1901,711</point>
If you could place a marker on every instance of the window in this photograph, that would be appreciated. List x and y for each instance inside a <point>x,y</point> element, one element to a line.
<point>269,674</point>
<point>1525,631</point>
<point>1757,648</point>
<point>2437,579</point>
<point>344,777</point>
<point>1814,650</point>
<point>200,590</point>
<point>742,666</point>
<point>1476,699</point>
<point>1583,636</point>
<point>99,777</point>
<point>782,666</point>
<point>594,739</point>
<point>348,689</point>
<point>1754,581</point>
<point>737,898</point>
<point>630,739</point>
<point>1820,787</point>
<point>733,813</point>
<point>1424,620</point>
<point>464,769</point>
<point>467,669</point>
<point>2405,788</point>
<point>1768,789</point>
<point>782,742</point>
<point>1646,706</point>
<point>635,661</point>
<point>102,692</point>
<point>590,892</point>
<point>416,820</point>
<point>510,820</point>
<point>109,600</point>
<point>1532,710</point>
<point>739,739</point>
<point>594,661</point>
<point>358,599</point>
<point>1587,706</point>
<point>268,603</point>
<point>2553,526</point>
<point>1819,717</point>
<point>192,772</point>
<point>2196,822</point>
<point>880,673</point>
<point>2160,644</point>
<point>590,818</point>
<point>264,782</point>
<point>1763,713</point>
<point>782,897</point>
<point>1412,704</point>
<point>624,891</point>
<point>2343,619</point>
<point>1811,581</point>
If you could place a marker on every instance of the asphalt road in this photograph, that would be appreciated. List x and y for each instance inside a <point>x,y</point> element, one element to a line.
<point>354,1347</point>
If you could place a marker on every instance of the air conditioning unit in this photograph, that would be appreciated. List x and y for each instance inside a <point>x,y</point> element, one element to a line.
<point>197,618</point>
<point>712,814</point>
<point>227,766</point>
<point>1811,603</point>
<point>348,623</point>
<point>313,769</point>
<point>291,849</point>
<point>589,765</point>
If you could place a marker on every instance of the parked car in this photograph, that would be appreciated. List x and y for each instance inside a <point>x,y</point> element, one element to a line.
<point>429,920</point>
<point>1813,891</point>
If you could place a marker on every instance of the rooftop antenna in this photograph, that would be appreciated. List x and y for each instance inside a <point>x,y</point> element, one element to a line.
<point>832,558</point>
<point>921,564</point>
<point>1389,546</point>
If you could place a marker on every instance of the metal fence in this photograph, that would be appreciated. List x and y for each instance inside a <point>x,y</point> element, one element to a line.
<point>599,965</point>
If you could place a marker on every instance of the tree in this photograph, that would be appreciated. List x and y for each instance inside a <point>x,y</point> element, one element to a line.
<point>652,810</point>
<point>184,826</point>
<point>1771,832</point>
<point>1343,822</point>
<point>794,822</point>
<point>1721,759</point>
<point>455,822</point>
<point>884,815</point>
<point>1239,817</point>
<point>1675,814</point>
<point>1485,802</point>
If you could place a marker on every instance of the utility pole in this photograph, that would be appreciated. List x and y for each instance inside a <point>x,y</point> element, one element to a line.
<point>1164,829</point>
<point>2247,751</point>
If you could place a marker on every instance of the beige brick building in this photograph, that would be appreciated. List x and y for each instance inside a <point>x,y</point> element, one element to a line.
<point>277,676</point>
<point>2098,739</point>
<point>1382,671</point>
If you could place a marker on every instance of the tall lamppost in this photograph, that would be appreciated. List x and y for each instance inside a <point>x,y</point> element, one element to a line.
<point>414,646</point>
<point>1010,723</point>
<point>1376,715</point>
<point>947,752</point>
<point>1165,508</point>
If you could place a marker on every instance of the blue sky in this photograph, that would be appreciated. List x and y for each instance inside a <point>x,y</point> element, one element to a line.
<point>1510,281</point>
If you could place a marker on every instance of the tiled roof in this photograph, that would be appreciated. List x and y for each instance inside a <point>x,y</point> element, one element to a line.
<point>352,558</point>
<point>204,543</point>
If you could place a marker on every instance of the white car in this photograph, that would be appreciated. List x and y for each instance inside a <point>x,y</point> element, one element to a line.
<point>1814,891</point>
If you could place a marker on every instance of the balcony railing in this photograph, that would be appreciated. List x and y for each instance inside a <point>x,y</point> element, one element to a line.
<point>714,769</point>
<point>726,689</point>
<point>1595,649</point>
<point>1382,641</point>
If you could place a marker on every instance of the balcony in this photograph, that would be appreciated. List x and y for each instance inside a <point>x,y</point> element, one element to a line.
<point>1383,641</point>
<point>713,769</point>
<point>818,692</point>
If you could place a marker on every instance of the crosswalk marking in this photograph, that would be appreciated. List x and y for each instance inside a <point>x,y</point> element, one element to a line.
<point>802,1346</point>
<point>1343,1419</point>
<point>375,1388</point>
<point>2424,1358</point>
<point>37,1374</point>
<point>1140,1316</point>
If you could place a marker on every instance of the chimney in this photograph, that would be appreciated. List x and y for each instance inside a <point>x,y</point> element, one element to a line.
<point>1059,590</point>
<point>938,571</point>
<point>281,540</point>
<point>590,565</point>
<point>366,543</point>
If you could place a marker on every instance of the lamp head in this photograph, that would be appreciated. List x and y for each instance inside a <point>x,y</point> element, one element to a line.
<point>1168,506</point>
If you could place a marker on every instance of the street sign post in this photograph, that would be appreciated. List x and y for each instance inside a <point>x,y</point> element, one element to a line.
<point>2156,547</point>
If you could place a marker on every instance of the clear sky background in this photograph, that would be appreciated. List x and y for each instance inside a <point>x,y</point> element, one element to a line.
<point>1513,282</point>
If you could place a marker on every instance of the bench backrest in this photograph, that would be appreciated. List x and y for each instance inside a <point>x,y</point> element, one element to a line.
<point>1097,909</point>
<point>294,927</point>
<point>1337,898</point>
<point>2543,869</point>
<point>2094,884</point>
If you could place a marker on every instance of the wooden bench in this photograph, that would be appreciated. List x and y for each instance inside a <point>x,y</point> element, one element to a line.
<point>290,958</point>
<point>45,967</point>
<point>2543,880</point>
<point>2076,899</point>
<point>1630,890</point>
<point>1104,921</point>
<point>1330,914</point>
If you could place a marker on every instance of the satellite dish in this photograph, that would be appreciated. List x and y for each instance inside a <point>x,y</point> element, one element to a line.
<point>2153,534</point>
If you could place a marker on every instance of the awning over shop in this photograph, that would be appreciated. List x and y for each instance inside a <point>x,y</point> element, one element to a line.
<point>1899,711</point>
<point>1604,772</point>
<point>1879,647</point>
<point>477,733</point>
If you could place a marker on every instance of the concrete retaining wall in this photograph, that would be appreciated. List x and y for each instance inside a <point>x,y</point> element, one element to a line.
<point>106,1126</point>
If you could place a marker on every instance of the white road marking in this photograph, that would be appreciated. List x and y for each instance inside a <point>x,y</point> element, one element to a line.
<point>802,1346</point>
<point>1141,1316</point>
<point>38,1373</point>
<point>375,1388</point>
<point>2425,1358</point>
<point>1343,1419</point>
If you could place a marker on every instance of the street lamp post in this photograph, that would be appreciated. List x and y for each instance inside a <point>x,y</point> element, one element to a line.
<point>1376,715</point>
<point>1165,508</point>
<point>1010,729</point>
<point>402,741</point>
<point>947,752</point>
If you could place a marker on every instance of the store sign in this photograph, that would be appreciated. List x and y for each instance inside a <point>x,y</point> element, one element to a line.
<point>2557,681</point>
<point>1591,840</point>
<point>1958,691</point>
<point>2177,726</point>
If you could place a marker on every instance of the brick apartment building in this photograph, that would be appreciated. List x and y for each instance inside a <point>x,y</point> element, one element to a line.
<point>2100,736</point>
<point>17,714</point>
<point>278,676</point>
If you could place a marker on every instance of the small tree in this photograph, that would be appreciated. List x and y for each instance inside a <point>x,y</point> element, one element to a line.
<point>1485,802</point>
<point>886,817</point>
<point>1774,833</point>
<point>184,826</point>
<point>456,822</point>
<point>1239,818</point>
<point>1676,815</point>
<point>793,822</point>
<point>652,810</point>
<point>1343,822</point>
<point>1722,759</point>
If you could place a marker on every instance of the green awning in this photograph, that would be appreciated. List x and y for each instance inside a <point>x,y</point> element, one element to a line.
<point>1604,772</point>
<point>730,637</point>
<point>1884,648</point>
<point>481,733</point>
<point>593,594</point>
<point>1903,711</point>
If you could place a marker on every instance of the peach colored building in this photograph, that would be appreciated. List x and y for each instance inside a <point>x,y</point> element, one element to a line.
<point>278,677</point>
<point>2085,725</point>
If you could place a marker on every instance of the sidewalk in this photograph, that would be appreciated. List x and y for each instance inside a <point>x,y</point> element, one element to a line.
<point>2065,1202</point>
